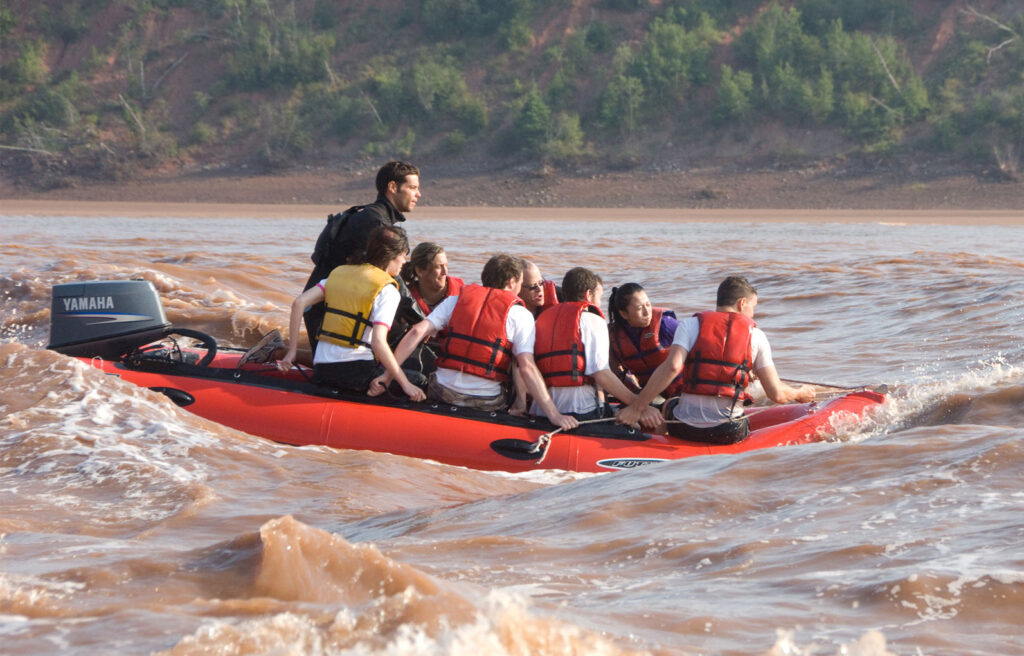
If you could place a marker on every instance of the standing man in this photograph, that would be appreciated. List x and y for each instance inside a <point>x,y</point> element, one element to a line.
<point>343,240</point>
<point>717,351</point>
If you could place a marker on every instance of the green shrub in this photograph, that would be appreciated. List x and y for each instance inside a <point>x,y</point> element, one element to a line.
<point>734,94</point>
<point>7,24</point>
<point>887,16</point>
<point>516,35</point>
<point>272,53</point>
<point>454,142</point>
<point>202,133</point>
<point>457,19</point>
<point>337,113</point>
<point>29,66</point>
<point>673,58</point>
<point>65,20</point>
<point>599,37</point>
<point>472,115</point>
<point>533,122</point>
<point>566,141</point>
<point>622,103</point>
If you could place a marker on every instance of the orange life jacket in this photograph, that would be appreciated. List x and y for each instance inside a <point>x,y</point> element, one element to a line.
<point>559,349</point>
<point>642,361</point>
<point>719,363</point>
<point>477,343</point>
<point>550,295</point>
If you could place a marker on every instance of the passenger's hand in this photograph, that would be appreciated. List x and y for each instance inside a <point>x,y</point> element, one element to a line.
<point>414,393</point>
<point>565,422</point>
<point>651,419</point>
<point>377,386</point>
<point>629,415</point>
<point>518,409</point>
<point>805,394</point>
<point>285,363</point>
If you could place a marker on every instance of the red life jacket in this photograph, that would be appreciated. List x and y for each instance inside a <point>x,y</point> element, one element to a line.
<point>642,361</point>
<point>550,295</point>
<point>559,349</point>
<point>719,363</point>
<point>476,342</point>
<point>454,289</point>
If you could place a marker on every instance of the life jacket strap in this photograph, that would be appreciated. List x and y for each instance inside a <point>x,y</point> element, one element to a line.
<point>574,371</point>
<point>359,327</point>
<point>496,347</point>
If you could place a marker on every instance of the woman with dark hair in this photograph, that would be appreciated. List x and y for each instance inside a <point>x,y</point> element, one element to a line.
<point>640,335</point>
<point>361,302</point>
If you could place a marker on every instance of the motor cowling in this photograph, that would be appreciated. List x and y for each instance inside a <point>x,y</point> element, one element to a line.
<point>105,318</point>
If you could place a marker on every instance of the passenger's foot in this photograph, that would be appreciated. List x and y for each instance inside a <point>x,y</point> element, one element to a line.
<point>264,349</point>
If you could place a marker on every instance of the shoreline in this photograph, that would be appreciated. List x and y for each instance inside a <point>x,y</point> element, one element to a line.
<point>200,210</point>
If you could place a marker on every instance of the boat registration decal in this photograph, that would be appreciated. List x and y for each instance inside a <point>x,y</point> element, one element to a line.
<point>627,463</point>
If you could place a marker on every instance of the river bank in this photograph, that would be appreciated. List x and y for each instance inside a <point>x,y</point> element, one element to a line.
<point>817,187</point>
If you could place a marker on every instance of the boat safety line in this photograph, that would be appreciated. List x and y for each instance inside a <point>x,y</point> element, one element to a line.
<point>849,388</point>
<point>544,441</point>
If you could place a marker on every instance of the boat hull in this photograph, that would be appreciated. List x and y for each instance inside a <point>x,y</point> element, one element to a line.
<point>288,408</point>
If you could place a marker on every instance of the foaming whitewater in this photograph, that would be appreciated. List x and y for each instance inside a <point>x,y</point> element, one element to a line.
<point>130,526</point>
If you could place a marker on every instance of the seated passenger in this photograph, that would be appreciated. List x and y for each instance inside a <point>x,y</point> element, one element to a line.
<point>361,300</point>
<point>426,275</point>
<point>640,335</point>
<point>489,330</point>
<point>537,294</point>
<point>571,350</point>
<point>717,352</point>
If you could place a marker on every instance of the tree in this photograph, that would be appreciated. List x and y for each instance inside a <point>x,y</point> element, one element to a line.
<point>734,96</point>
<point>533,122</point>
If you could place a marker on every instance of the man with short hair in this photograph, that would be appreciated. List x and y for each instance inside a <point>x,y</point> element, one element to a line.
<point>343,240</point>
<point>571,351</point>
<point>489,331</point>
<point>717,351</point>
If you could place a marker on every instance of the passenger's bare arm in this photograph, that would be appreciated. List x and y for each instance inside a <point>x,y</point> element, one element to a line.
<point>535,386</point>
<point>382,351</point>
<point>421,331</point>
<point>311,296</point>
<point>660,379</point>
<point>780,392</point>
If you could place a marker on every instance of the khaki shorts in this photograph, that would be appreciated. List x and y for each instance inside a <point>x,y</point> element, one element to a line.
<point>438,392</point>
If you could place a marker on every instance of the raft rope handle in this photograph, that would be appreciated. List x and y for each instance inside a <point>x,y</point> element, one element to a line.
<point>544,441</point>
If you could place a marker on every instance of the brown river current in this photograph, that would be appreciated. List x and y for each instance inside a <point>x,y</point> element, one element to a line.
<point>129,526</point>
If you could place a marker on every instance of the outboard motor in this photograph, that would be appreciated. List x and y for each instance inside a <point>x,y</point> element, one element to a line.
<point>105,318</point>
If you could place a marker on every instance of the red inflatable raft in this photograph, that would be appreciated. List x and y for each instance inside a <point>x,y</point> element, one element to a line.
<point>288,408</point>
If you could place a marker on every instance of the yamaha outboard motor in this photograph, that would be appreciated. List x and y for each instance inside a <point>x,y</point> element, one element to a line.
<point>105,318</point>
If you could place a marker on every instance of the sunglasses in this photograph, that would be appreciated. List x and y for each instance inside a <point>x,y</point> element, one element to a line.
<point>535,288</point>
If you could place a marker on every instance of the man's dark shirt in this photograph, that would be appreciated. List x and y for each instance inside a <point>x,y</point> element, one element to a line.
<point>347,247</point>
<point>351,240</point>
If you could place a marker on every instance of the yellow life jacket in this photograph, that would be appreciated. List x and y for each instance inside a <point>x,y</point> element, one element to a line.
<point>349,295</point>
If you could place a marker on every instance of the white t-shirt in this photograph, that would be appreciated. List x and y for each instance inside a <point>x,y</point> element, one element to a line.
<point>519,328</point>
<point>385,305</point>
<point>583,399</point>
<point>700,410</point>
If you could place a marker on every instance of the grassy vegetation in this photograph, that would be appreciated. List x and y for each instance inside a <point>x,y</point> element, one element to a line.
<point>301,80</point>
